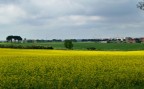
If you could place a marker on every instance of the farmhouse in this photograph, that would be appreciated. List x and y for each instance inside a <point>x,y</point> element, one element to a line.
<point>142,40</point>
<point>130,40</point>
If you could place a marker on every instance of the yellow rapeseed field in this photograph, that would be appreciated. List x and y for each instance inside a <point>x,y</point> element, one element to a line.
<point>63,69</point>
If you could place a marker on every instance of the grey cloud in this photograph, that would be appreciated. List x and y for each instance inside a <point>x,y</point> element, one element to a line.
<point>120,17</point>
<point>8,1</point>
<point>11,1</point>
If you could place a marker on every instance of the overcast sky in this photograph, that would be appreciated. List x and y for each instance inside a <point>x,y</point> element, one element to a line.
<point>70,19</point>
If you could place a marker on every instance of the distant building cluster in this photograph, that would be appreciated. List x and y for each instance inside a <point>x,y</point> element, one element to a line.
<point>134,40</point>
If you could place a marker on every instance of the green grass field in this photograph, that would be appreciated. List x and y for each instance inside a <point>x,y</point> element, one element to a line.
<point>63,69</point>
<point>85,45</point>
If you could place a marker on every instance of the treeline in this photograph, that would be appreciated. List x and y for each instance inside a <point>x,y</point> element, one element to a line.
<point>42,41</point>
<point>25,47</point>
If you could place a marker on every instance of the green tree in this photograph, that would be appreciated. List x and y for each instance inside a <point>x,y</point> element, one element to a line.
<point>68,44</point>
<point>18,38</point>
<point>15,38</point>
<point>9,38</point>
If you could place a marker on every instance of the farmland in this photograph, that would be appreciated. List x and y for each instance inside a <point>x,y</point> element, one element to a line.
<point>85,45</point>
<point>63,69</point>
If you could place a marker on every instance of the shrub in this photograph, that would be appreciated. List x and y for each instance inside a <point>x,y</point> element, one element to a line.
<point>91,48</point>
<point>68,44</point>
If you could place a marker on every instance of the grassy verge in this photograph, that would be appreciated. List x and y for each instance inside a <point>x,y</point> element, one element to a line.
<point>79,46</point>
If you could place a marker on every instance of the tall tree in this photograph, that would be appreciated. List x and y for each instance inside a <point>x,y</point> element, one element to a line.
<point>19,38</point>
<point>15,38</point>
<point>9,38</point>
